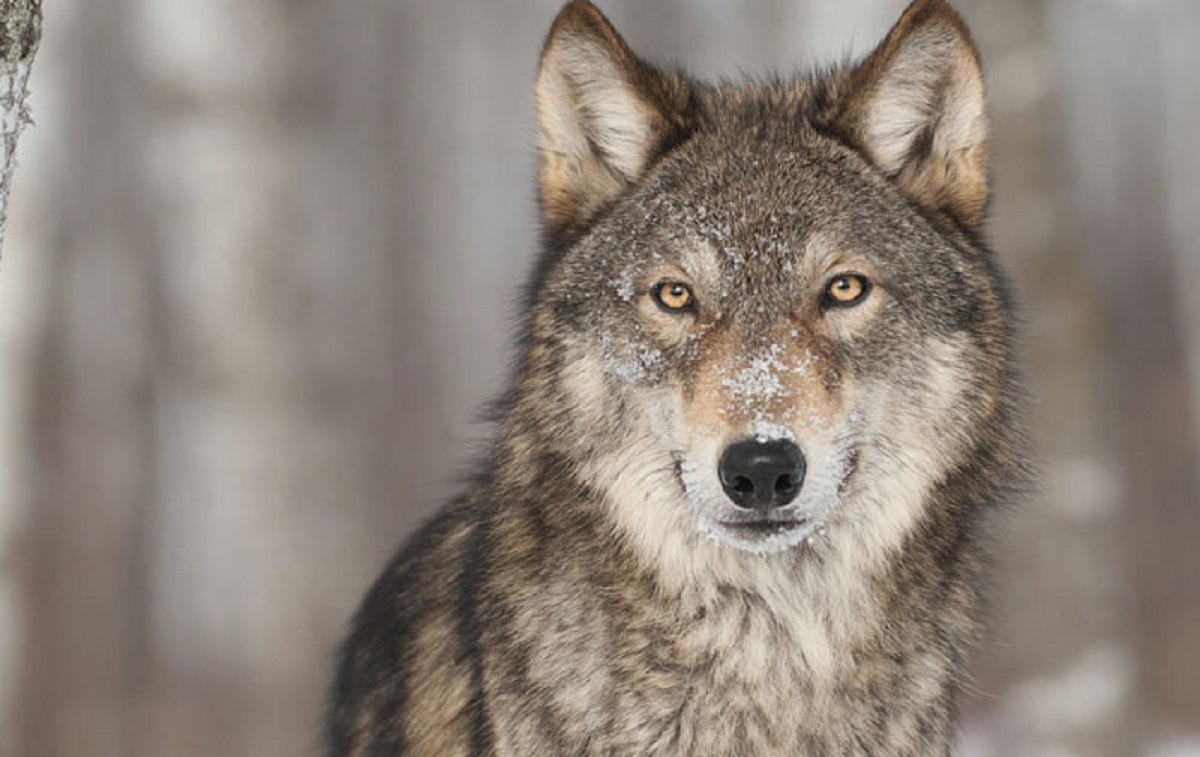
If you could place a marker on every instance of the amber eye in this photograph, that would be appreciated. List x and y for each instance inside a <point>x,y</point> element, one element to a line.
<point>673,296</point>
<point>847,289</point>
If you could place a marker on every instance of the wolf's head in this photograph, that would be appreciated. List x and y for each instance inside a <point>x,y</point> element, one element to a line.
<point>765,314</point>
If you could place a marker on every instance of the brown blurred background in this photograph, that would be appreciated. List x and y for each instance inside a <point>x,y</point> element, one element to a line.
<point>260,275</point>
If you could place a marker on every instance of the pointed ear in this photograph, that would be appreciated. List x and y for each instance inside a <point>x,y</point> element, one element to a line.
<point>915,107</point>
<point>603,116</point>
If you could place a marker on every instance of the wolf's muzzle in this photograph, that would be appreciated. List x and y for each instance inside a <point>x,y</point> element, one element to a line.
<point>761,475</point>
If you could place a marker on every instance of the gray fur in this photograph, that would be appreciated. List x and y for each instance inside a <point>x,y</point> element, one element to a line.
<point>592,593</point>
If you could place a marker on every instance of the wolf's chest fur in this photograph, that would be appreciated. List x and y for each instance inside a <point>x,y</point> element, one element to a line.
<point>726,674</point>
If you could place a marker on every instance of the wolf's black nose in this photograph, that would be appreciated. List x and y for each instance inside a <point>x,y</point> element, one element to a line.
<point>761,475</point>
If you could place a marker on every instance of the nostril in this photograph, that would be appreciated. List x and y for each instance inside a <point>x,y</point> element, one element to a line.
<point>785,484</point>
<point>743,485</point>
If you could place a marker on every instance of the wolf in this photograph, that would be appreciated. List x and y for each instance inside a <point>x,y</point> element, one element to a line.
<point>764,402</point>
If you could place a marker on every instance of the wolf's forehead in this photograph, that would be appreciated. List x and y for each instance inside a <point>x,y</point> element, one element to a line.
<point>753,183</point>
<point>738,216</point>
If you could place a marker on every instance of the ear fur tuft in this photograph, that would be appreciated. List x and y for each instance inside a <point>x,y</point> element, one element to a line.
<point>603,116</point>
<point>915,107</point>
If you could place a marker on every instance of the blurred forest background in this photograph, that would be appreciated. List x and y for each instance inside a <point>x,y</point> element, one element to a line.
<point>260,274</point>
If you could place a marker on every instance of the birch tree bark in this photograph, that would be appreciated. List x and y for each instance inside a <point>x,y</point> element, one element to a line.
<point>20,32</point>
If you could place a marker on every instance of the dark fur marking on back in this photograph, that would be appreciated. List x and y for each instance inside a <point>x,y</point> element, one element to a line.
<point>470,631</point>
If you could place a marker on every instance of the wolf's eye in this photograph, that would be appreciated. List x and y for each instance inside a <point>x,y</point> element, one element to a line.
<point>673,296</point>
<point>847,289</point>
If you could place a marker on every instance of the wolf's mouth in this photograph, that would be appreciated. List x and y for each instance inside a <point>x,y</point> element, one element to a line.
<point>762,528</point>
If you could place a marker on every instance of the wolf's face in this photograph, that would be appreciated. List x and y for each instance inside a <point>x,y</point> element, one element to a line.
<point>767,304</point>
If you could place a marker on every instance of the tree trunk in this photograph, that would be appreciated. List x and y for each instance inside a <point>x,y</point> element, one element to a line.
<point>20,33</point>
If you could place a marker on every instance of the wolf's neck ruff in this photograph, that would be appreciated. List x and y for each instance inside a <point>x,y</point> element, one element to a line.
<point>764,401</point>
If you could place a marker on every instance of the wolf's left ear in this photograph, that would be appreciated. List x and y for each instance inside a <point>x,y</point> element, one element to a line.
<point>915,107</point>
<point>603,116</point>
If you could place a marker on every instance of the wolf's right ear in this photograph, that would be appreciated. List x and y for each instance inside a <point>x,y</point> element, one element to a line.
<point>603,116</point>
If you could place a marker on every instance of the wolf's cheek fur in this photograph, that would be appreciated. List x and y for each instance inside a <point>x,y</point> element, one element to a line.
<point>636,472</point>
<point>911,433</point>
